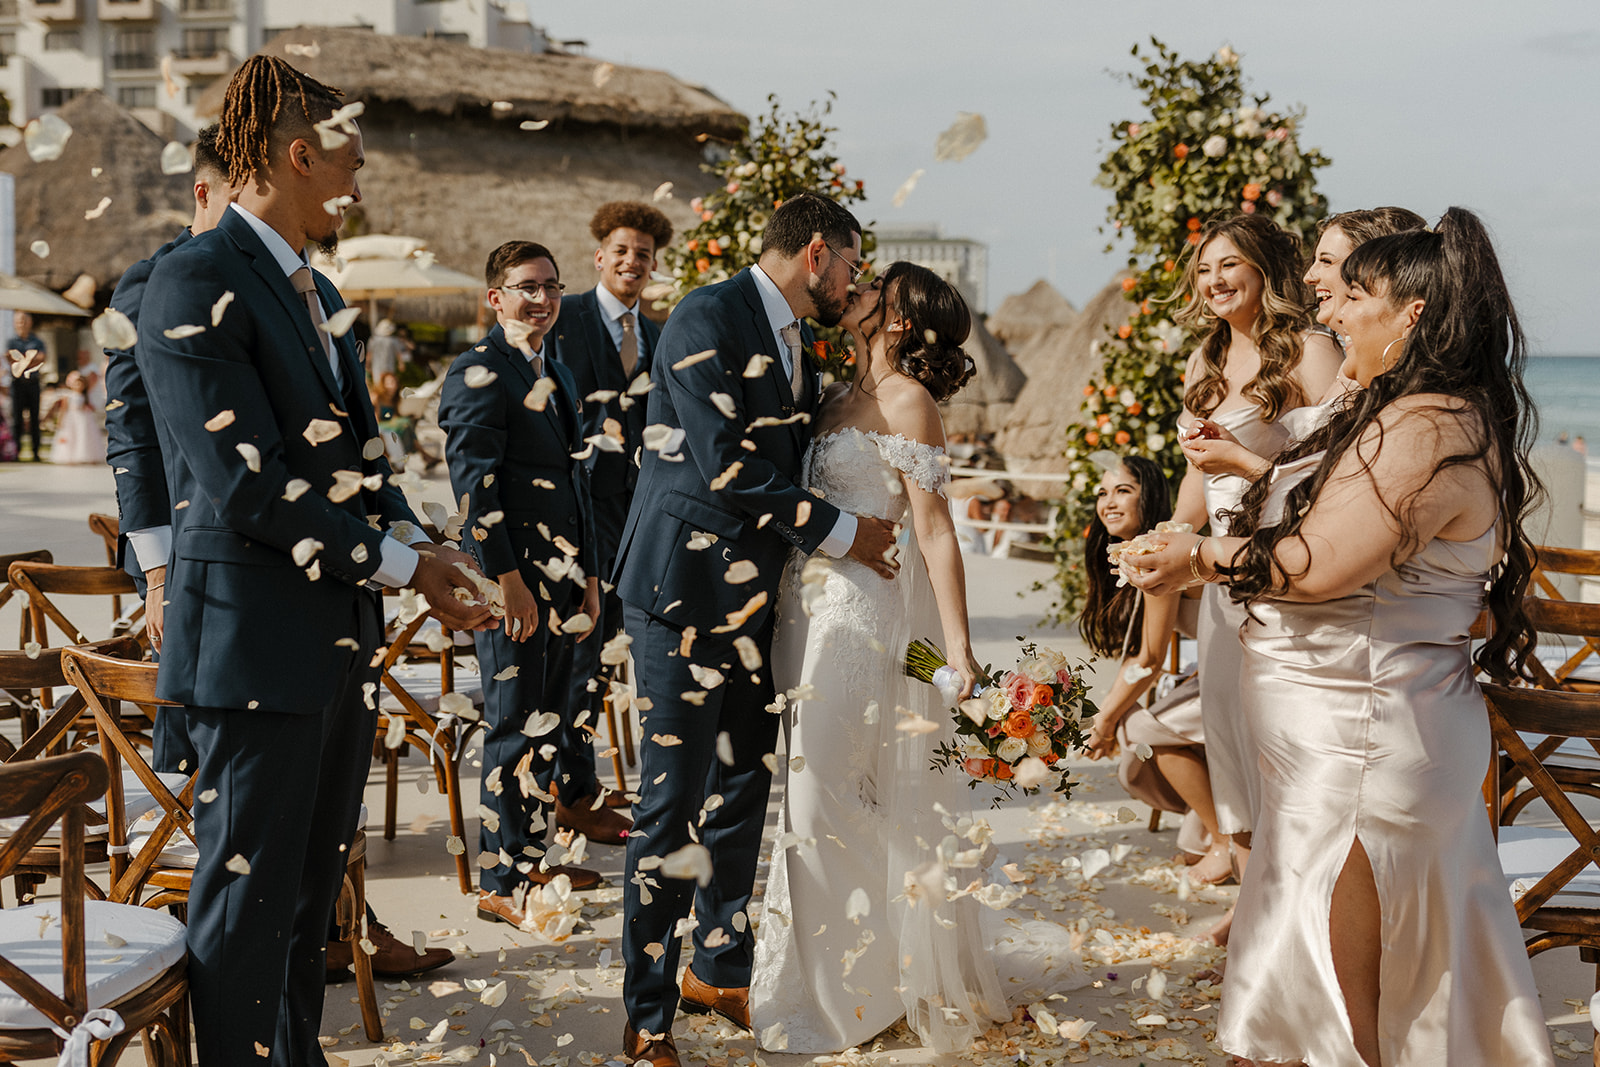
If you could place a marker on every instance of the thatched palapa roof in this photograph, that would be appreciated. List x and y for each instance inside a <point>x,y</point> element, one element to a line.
<point>110,154</point>
<point>1023,316</point>
<point>448,79</point>
<point>985,401</point>
<point>1058,362</point>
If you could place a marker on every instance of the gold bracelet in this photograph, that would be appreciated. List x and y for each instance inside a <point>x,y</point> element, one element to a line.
<point>153,588</point>
<point>1194,562</point>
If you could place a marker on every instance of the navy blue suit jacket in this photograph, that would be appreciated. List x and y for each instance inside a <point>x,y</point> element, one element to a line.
<point>526,457</point>
<point>131,445</point>
<point>585,347</point>
<point>756,509</point>
<point>246,627</point>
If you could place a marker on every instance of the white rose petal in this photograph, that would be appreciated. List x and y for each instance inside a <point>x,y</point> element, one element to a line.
<point>238,864</point>
<point>295,489</point>
<point>340,321</point>
<point>251,454</point>
<point>691,861</point>
<point>220,306</point>
<point>175,159</point>
<point>477,376</point>
<point>319,430</point>
<point>113,329</point>
<point>178,333</point>
<point>304,549</point>
<point>98,210</point>
<point>46,137</point>
<point>40,249</point>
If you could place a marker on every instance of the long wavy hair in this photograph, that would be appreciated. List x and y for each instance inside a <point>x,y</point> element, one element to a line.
<point>1363,225</point>
<point>1277,332</point>
<point>1466,345</point>
<point>1107,610</point>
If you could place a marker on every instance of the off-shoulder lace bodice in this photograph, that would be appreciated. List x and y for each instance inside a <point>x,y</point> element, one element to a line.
<point>859,470</point>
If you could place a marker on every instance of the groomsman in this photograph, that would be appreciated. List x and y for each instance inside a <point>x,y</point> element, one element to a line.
<point>25,387</point>
<point>513,419</point>
<point>736,387</point>
<point>272,616</point>
<point>607,342</point>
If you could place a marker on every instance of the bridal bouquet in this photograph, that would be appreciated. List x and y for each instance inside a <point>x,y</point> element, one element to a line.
<point>1018,724</point>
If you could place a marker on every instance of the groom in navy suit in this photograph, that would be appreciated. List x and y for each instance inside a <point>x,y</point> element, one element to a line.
<point>606,341</point>
<point>717,510</point>
<point>283,522</point>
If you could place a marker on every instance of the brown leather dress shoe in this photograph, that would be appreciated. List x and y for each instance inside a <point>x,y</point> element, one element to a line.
<point>658,1052</point>
<point>699,998</point>
<point>396,959</point>
<point>338,962</point>
<point>604,826</point>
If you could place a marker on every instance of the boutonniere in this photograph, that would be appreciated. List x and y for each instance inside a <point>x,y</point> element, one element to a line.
<point>838,362</point>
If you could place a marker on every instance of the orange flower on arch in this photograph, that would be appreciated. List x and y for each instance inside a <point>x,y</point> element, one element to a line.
<point>1128,284</point>
<point>1088,390</point>
<point>1124,331</point>
<point>1123,437</point>
<point>1252,191</point>
<point>1194,227</point>
<point>1181,151</point>
<point>702,265</point>
<point>1091,438</point>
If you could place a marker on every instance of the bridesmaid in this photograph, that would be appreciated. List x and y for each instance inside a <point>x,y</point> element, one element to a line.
<point>1257,362</point>
<point>1376,895</point>
<point>1133,628</point>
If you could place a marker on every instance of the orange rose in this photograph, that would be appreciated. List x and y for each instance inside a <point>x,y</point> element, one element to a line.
<point>1043,695</point>
<point>1002,770</point>
<point>1088,390</point>
<point>1128,284</point>
<point>820,348</point>
<point>1194,227</point>
<point>1135,408</point>
<point>1252,191</point>
<point>1181,151</point>
<point>1102,418</point>
<point>1019,724</point>
<point>705,216</point>
<point>1194,238</point>
<point>1144,308</point>
<point>1122,437</point>
<point>1091,438</point>
<point>702,265</point>
<point>1124,331</point>
<point>1169,266</point>
<point>1111,390</point>
<point>714,248</point>
<point>693,245</point>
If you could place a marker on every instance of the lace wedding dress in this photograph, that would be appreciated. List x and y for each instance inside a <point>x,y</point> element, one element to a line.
<point>875,904</point>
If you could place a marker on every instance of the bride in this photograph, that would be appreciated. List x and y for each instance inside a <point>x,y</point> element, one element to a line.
<point>874,907</point>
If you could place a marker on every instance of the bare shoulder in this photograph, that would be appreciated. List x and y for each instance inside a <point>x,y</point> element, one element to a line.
<point>1418,430</point>
<point>910,410</point>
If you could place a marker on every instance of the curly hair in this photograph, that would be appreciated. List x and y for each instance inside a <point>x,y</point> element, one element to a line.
<point>267,102</point>
<point>930,350</point>
<point>1467,344</point>
<point>631,215</point>
<point>1279,327</point>
<point>1109,611</point>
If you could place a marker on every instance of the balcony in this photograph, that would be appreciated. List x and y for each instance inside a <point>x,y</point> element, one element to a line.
<point>124,10</point>
<point>10,11</point>
<point>202,8</point>
<point>201,62</point>
<point>50,10</point>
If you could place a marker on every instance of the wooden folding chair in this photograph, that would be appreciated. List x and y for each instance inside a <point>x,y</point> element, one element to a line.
<point>23,677</point>
<point>115,961</point>
<point>1572,761</point>
<point>421,700</point>
<point>7,590</point>
<point>1553,870</point>
<point>1579,666</point>
<point>44,581</point>
<point>158,851</point>
<point>109,528</point>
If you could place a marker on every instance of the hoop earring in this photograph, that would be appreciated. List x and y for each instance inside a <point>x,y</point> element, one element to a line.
<point>1383,360</point>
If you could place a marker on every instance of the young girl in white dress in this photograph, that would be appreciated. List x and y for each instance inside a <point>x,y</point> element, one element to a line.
<point>872,907</point>
<point>79,436</point>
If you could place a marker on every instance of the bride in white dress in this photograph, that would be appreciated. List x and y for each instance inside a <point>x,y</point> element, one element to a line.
<point>875,907</point>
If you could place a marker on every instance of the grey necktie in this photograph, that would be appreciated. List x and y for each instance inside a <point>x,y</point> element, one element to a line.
<point>306,286</point>
<point>629,349</point>
<point>791,337</point>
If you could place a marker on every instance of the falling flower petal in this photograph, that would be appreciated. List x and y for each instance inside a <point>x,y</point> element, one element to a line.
<point>533,124</point>
<point>689,361</point>
<point>46,137</point>
<point>295,489</point>
<point>741,571</point>
<point>663,192</point>
<point>220,420</point>
<point>857,905</point>
<point>304,549</point>
<point>340,322</point>
<point>98,210</point>
<point>320,430</point>
<point>961,139</point>
<point>724,403</point>
<point>305,51</point>
<point>539,395</point>
<point>478,376</point>
<point>175,159</point>
<point>40,249</point>
<point>220,306</point>
<point>113,329</point>
<point>178,333</point>
<point>603,73</point>
<point>749,652</point>
<point>725,748</point>
<point>691,861</point>
<point>906,187</point>
<point>1031,772</point>
<point>251,454</point>
<point>238,864</point>
<point>337,204</point>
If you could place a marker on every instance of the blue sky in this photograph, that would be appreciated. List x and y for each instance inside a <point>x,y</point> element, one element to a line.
<point>1420,103</point>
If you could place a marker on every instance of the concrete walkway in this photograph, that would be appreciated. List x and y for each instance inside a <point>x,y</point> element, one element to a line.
<point>562,1006</point>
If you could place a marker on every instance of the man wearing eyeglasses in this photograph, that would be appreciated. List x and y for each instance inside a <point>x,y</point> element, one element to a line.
<point>514,422</point>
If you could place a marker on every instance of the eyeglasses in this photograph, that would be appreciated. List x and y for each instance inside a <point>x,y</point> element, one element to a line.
<point>531,290</point>
<point>855,271</point>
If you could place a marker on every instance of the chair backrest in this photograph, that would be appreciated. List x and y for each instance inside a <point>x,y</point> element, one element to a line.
<point>42,581</point>
<point>48,791</point>
<point>23,677</point>
<point>1550,563</point>
<point>105,683</point>
<point>108,528</point>
<point>1514,712</point>
<point>7,590</point>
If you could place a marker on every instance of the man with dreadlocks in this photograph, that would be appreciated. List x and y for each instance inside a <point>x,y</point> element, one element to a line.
<point>273,611</point>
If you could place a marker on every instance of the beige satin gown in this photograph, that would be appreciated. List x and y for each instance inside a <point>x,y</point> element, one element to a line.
<point>1371,727</point>
<point>1230,748</point>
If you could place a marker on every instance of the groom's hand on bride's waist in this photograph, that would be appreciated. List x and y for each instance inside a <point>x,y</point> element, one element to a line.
<point>875,545</point>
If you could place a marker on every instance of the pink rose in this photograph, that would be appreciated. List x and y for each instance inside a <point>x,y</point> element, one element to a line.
<point>1248,207</point>
<point>1065,678</point>
<point>1019,690</point>
<point>974,767</point>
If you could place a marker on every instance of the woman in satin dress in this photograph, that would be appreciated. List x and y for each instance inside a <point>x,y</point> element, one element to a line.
<point>1376,926</point>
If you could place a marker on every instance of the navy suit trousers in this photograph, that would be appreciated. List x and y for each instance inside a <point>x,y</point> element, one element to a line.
<point>688,773</point>
<point>575,760</point>
<point>288,794</point>
<point>544,664</point>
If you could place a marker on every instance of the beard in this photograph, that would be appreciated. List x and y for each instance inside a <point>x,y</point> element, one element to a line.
<point>829,309</point>
<point>329,245</point>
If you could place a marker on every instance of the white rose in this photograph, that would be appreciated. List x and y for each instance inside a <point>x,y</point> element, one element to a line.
<point>1037,669</point>
<point>1216,145</point>
<point>999,704</point>
<point>1056,661</point>
<point>1012,749</point>
<point>1039,743</point>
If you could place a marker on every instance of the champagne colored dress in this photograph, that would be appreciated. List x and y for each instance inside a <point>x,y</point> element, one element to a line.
<point>1230,749</point>
<point>1371,728</point>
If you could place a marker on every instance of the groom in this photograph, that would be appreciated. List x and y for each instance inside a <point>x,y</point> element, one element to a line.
<point>717,509</point>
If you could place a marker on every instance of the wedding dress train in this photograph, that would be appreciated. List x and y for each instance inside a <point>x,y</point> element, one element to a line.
<point>877,905</point>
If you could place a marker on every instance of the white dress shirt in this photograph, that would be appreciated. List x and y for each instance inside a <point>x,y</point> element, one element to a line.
<point>611,312</point>
<point>779,315</point>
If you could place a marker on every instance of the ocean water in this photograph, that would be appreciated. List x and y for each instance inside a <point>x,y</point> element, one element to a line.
<point>1566,391</point>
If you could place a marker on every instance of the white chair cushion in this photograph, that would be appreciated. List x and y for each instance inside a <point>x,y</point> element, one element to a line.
<point>1528,853</point>
<point>154,943</point>
<point>135,797</point>
<point>424,681</point>
<point>1574,752</point>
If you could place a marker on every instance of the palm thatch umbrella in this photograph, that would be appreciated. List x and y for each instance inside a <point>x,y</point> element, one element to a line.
<point>111,156</point>
<point>19,294</point>
<point>1059,362</point>
<point>1023,316</point>
<point>984,403</point>
<point>388,266</point>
